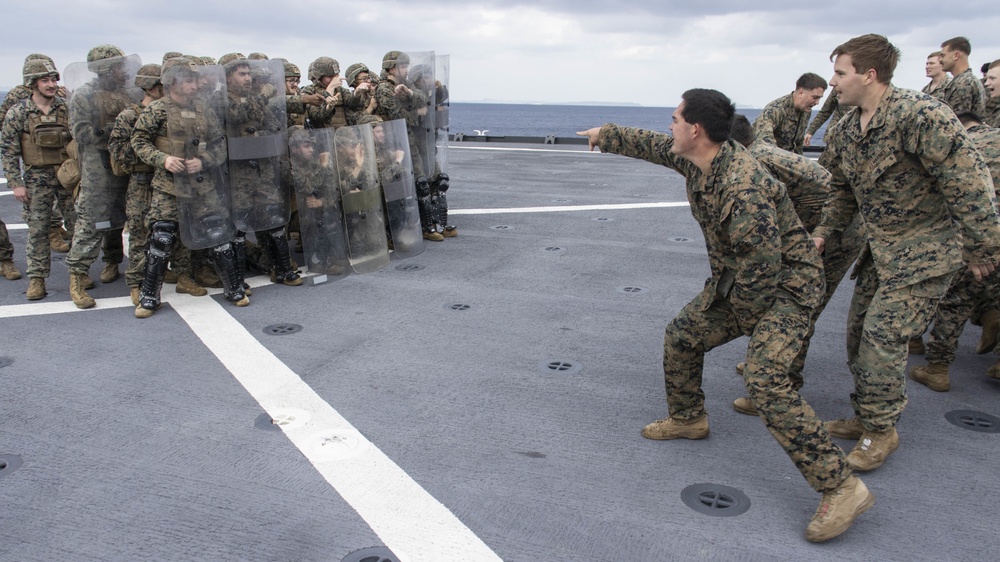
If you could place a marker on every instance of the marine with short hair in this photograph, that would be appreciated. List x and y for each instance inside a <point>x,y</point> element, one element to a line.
<point>934,70</point>
<point>903,161</point>
<point>785,121</point>
<point>964,93</point>
<point>991,116</point>
<point>36,131</point>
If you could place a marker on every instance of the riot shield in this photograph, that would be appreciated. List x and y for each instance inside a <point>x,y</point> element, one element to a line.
<point>357,172</point>
<point>422,121</point>
<point>392,152</point>
<point>256,119</point>
<point>317,189</point>
<point>196,133</point>
<point>99,91</point>
<point>442,102</point>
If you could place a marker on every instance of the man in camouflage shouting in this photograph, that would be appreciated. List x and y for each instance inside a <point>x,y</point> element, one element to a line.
<point>926,199</point>
<point>766,280</point>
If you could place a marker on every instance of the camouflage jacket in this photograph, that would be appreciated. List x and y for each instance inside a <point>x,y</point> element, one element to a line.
<point>152,123</point>
<point>757,247</point>
<point>919,185</point>
<point>992,115</point>
<point>782,125</point>
<point>831,110</point>
<point>940,90</point>
<point>807,183</point>
<point>312,179</point>
<point>987,141</point>
<point>14,124</point>
<point>120,140</point>
<point>387,105</point>
<point>965,93</point>
<point>16,94</point>
<point>328,114</point>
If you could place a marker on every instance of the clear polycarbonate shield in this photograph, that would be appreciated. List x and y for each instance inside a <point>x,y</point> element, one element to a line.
<point>392,152</point>
<point>420,78</point>
<point>361,194</point>
<point>442,101</point>
<point>256,120</point>
<point>195,133</point>
<point>316,185</point>
<point>99,91</point>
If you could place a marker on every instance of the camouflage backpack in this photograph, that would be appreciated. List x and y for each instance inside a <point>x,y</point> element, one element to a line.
<point>122,156</point>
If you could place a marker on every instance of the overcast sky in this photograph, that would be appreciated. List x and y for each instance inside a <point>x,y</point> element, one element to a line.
<point>549,51</point>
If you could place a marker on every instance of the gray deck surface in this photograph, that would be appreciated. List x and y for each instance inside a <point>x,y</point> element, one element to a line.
<point>435,429</point>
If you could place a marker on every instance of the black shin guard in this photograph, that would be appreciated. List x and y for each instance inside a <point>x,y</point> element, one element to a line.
<point>224,259</point>
<point>281,259</point>
<point>161,240</point>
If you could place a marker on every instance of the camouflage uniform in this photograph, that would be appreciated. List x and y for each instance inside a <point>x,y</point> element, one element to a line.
<point>389,108</point>
<point>831,110</point>
<point>992,115</point>
<point>152,123</point>
<point>957,306</point>
<point>322,228</point>
<point>965,93</point>
<point>93,109</point>
<point>782,125</point>
<point>909,173</point>
<point>766,279</point>
<point>939,91</point>
<point>43,187</point>
<point>64,211</point>
<point>329,114</point>
<point>6,248</point>
<point>808,186</point>
<point>137,198</point>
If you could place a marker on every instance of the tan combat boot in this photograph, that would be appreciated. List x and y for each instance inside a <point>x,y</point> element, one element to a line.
<point>36,289</point>
<point>916,346</point>
<point>934,376</point>
<point>669,428</point>
<point>838,509</point>
<point>449,232</point>
<point>88,283</point>
<point>740,367</point>
<point>141,312</point>
<point>9,270</point>
<point>63,233</point>
<point>187,285</point>
<point>77,292</point>
<point>134,293</point>
<point>991,331</point>
<point>848,428</point>
<point>56,241</point>
<point>170,277</point>
<point>744,405</point>
<point>994,371</point>
<point>873,449</point>
<point>110,273</point>
<point>433,236</point>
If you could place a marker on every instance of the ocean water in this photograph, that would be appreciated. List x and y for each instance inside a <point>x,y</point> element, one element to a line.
<point>501,119</point>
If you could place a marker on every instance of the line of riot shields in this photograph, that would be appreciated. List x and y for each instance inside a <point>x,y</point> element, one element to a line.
<point>354,186</point>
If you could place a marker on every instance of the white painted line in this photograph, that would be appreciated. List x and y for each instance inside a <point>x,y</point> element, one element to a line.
<point>404,516</point>
<point>513,149</point>
<point>561,209</point>
<point>18,226</point>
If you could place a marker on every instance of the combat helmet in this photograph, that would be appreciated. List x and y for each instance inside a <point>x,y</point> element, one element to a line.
<point>177,68</point>
<point>369,119</point>
<point>392,58</point>
<point>38,56</point>
<point>171,55</point>
<point>323,66</point>
<point>148,76</point>
<point>38,68</point>
<point>99,58</point>
<point>354,70</point>
<point>230,61</point>
<point>292,71</point>
<point>257,56</point>
<point>419,72</point>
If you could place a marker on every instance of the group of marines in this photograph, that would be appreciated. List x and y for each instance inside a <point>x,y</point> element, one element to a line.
<point>904,191</point>
<point>190,155</point>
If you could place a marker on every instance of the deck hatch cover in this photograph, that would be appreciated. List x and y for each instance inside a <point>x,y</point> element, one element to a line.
<point>372,554</point>
<point>282,329</point>
<point>974,421</point>
<point>715,500</point>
